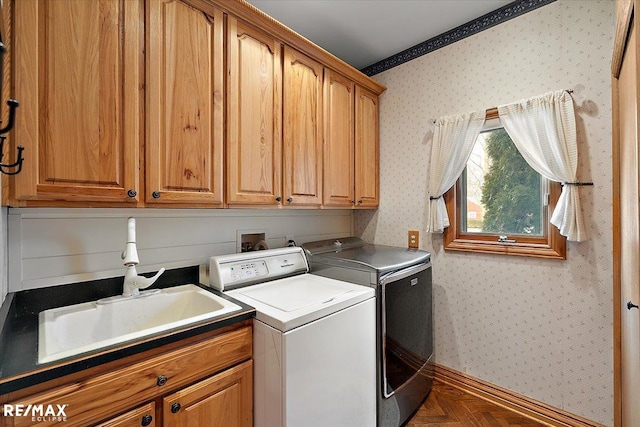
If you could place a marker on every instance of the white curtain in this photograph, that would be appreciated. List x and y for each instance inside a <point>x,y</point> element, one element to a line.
<point>543,129</point>
<point>453,140</point>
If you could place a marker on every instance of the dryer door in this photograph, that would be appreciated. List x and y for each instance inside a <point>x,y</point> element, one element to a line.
<point>407,331</point>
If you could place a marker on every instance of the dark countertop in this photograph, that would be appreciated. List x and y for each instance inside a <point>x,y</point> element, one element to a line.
<point>19,367</point>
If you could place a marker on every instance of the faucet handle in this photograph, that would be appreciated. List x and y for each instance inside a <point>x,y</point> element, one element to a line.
<point>144,282</point>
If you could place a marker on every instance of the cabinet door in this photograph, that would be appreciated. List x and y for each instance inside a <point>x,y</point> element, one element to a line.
<point>78,79</point>
<point>339,140</point>
<point>144,416</point>
<point>185,104</point>
<point>302,129</point>
<point>254,138</point>
<point>224,400</point>
<point>367,158</point>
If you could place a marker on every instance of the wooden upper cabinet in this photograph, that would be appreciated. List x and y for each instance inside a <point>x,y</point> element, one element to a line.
<point>302,129</point>
<point>367,149</point>
<point>185,104</point>
<point>338,140</point>
<point>77,68</point>
<point>182,103</point>
<point>254,116</point>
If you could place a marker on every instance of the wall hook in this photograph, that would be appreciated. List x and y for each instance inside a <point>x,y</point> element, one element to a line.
<point>13,104</point>
<point>5,168</point>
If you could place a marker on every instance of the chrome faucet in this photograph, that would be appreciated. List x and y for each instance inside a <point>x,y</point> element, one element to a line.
<point>132,282</point>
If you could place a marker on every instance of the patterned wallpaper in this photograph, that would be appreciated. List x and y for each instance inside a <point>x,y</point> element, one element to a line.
<point>542,328</point>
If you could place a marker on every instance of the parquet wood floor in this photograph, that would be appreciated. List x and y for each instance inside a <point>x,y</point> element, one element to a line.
<point>448,406</point>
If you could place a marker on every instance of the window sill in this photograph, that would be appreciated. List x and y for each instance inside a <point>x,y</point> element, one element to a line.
<point>554,251</point>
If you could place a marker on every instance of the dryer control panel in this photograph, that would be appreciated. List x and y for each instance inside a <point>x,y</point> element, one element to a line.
<point>227,272</point>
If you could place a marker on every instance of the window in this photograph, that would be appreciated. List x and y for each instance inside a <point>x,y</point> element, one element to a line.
<point>500,204</point>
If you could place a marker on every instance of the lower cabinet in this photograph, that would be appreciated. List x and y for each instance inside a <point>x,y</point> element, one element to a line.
<point>224,400</point>
<point>206,382</point>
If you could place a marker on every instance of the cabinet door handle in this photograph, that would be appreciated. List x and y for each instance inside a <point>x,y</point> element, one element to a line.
<point>175,408</point>
<point>146,420</point>
<point>360,201</point>
<point>289,199</point>
<point>278,199</point>
<point>162,380</point>
<point>132,193</point>
<point>155,194</point>
<point>631,305</point>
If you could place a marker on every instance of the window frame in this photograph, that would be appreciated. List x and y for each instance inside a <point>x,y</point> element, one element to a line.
<point>552,245</point>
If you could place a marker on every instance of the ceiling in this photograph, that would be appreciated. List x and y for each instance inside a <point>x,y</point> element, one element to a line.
<point>363,32</point>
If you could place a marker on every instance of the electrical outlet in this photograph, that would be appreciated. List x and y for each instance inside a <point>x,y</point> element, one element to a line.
<point>414,239</point>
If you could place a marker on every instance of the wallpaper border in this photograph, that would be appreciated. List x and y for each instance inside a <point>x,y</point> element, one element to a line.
<point>491,19</point>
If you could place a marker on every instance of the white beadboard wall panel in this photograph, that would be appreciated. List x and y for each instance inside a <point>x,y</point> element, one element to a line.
<point>39,272</point>
<point>543,328</point>
<point>49,247</point>
<point>55,236</point>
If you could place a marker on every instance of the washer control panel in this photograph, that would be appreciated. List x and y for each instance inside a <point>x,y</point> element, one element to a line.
<point>227,272</point>
<point>248,270</point>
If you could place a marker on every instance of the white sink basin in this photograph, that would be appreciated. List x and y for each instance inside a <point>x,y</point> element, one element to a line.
<point>75,329</point>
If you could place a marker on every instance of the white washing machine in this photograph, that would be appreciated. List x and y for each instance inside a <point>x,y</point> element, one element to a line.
<point>314,340</point>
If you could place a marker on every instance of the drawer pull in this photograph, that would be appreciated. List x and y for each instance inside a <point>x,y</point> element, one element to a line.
<point>175,408</point>
<point>146,420</point>
<point>132,193</point>
<point>162,380</point>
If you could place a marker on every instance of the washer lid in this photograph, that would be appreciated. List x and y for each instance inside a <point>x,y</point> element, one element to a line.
<point>288,303</point>
<point>294,294</point>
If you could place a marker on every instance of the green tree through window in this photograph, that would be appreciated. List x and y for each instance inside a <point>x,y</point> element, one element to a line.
<point>511,192</point>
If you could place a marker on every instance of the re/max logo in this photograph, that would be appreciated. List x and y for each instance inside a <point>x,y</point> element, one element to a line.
<point>36,412</point>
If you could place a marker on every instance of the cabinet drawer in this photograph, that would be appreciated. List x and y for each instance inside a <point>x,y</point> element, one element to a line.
<point>142,416</point>
<point>100,396</point>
